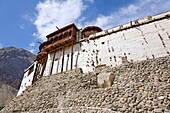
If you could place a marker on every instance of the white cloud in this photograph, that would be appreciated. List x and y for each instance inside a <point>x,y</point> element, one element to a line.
<point>28,17</point>
<point>32,44</point>
<point>33,47</point>
<point>140,8</point>
<point>90,1</point>
<point>52,13</point>
<point>22,27</point>
<point>32,51</point>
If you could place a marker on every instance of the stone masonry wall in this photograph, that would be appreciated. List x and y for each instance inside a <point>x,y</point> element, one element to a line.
<point>138,87</point>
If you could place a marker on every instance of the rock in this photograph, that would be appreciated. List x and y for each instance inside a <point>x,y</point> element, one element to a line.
<point>74,91</point>
<point>159,110</point>
<point>141,88</point>
<point>161,97</point>
<point>105,79</point>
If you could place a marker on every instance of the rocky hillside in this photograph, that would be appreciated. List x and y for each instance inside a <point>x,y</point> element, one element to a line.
<point>13,61</point>
<point>7,93</point>
<point>138,87</point>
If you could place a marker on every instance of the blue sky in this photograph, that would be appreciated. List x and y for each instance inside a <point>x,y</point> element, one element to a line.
<point>25,22</point>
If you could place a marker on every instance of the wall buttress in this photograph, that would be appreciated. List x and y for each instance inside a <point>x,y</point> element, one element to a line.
<point>44,65</point>
<point>35,74</point>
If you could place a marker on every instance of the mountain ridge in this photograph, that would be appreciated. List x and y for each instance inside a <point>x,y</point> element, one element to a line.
<point>13,61</point>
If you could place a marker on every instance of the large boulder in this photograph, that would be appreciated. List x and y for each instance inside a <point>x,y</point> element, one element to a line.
<point>105,79</point>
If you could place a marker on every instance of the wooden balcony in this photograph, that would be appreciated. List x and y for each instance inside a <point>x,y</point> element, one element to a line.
<point>60,43</point>
<point>60,38</point>
<point>41,55</point>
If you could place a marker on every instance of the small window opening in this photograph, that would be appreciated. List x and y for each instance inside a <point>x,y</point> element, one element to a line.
<point>56,38</point>
<point>110,58</point>
<point>70,32</point>
<point>60,37</point>
<point>103,42</point>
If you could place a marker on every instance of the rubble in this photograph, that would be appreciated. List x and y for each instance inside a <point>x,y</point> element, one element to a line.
<point>138,87</point>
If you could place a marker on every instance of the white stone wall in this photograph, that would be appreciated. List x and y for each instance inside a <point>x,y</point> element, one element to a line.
<point>27,80</point>
<point>139,43</point>
<point>112,47</point>
<point>56,62</point>
<point>76,55</point>
<point>57,66</point>
<point>147,41</point>
<point>67,59</point>
<point>48,64</point>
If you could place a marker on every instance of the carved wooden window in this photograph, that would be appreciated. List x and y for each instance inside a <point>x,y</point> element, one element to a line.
<point>61,36</point>
<point>70,32</point>
<point>66,33</point>
<point>56,38</point>
<point>51,41</point>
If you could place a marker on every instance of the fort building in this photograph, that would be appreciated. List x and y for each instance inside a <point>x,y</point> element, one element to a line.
<point>91,47</point>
